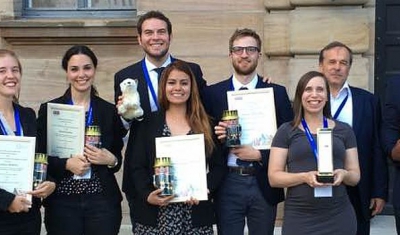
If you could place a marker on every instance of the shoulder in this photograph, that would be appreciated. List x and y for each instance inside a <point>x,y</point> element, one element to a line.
<point>360,92</point>
<point>129,68</point>
<point>26,111</point>
<point>191,64</point>
<point>342,127</point>
<point>219,85</point>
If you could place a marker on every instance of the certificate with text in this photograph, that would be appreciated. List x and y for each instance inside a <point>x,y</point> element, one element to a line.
<point>188,159</point>
<point>17,155</point>
<point>256,110</point>
<point>65,130</point>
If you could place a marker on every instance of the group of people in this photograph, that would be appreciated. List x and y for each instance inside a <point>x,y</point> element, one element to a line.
<point>244,184</point>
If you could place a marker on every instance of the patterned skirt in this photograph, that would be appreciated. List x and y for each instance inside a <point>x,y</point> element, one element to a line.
<point>173,219</point>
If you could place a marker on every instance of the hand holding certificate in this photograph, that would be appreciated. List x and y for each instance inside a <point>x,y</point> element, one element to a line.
<point>256,109</point>
<point>184,159</point>
<point>16,164</point>
<point>66,132</point>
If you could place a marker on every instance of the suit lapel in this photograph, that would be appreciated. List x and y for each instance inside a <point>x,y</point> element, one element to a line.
<point>138,74</point>
<point>357,109</point>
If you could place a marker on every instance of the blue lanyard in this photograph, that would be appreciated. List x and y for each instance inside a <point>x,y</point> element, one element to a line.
<point>340,107</point>
<point>89,119</point>
<point>149,83</point>
<point>310,138</point>
<point>17,121</point>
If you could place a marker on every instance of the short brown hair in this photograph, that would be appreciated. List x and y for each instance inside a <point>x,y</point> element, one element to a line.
<point>240,33</point>
<point>333,45</point>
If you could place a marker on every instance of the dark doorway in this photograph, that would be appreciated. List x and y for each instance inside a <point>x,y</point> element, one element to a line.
<point>387,57</point>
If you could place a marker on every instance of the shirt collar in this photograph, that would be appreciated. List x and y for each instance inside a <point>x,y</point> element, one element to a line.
<point>343,91</point>
<point>151,67</point>
<point>251,85</point>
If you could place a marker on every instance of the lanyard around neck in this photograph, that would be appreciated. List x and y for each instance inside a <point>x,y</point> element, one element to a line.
<point>17,121</point>
<point>149,83</point>
<point>340,107</point>
<point>310,138</point>
<point>89,119</point>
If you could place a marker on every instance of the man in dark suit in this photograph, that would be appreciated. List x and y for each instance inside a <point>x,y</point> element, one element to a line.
<point>390,137</point>
<point>246,193</point>
<point>154,36</point>
<point>360,109</point>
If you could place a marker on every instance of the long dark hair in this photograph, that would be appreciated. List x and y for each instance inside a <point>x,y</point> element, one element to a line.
<point>196,115</point>
<point>301,86</point>
<point>79,50</point>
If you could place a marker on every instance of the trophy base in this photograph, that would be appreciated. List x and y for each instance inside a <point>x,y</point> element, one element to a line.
<point>325,178</point>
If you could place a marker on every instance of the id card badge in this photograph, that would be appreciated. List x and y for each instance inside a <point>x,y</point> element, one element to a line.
<point>324,191</point>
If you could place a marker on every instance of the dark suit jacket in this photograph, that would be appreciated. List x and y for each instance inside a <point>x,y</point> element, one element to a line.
<point>105,116</point>
<point>215,102</point>
<point>373,165</point>
<point>390,132</point>
<point>28,122</point>
<point>135,71</point>
<point>141,152</point>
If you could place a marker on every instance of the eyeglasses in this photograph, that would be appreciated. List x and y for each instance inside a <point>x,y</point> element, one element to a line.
<point>251,50</point>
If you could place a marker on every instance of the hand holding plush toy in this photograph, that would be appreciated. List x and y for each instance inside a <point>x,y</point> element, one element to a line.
<point>130,106</point>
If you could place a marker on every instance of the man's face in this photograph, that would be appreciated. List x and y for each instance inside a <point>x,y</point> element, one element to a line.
<point>244,61</point>
<point>336,66</point>
<point>155,38</point>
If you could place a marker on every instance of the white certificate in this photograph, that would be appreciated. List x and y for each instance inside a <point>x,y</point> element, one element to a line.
<point>17,156</point>
<point>65,130</point>
<point>188,158</point>
<point>256,110</point>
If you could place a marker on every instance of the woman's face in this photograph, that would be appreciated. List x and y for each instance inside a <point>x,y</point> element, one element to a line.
<point>10,76</point>
<point>178,87</point>
<point>314,96</point>
<point>80,72</point>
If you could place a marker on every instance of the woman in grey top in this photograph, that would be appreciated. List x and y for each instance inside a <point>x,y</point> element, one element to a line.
<point>312,207</point>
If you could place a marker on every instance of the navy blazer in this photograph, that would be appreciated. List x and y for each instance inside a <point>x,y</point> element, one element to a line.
<point>215,102</point>
<point>104,115</point>
<point>135,71</point>
<point>28,122</point>
<point>373,165</point>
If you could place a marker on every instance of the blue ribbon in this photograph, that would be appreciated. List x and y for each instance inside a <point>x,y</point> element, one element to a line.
<point>89,119</point>
<point>310,138</point>
<point>17,121</point>
<point>340,107</point>
<point>149,83</point>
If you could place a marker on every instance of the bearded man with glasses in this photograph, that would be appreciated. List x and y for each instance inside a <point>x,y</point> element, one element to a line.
<point>245,193</point>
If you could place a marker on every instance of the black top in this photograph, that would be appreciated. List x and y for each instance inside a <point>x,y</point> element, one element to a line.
<point>105,116</point>
<point>141,153</point>
<point>27,118</point>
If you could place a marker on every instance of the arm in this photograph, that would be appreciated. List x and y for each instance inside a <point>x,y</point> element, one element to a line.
<point>279,178</point>
<point>350,175</point>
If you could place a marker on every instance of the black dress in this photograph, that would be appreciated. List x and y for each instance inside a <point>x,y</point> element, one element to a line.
<point>304,213</point>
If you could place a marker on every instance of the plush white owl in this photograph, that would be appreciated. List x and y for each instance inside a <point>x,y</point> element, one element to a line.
<point>130,107</point>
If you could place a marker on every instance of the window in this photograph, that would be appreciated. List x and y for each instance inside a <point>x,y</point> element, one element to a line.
<point>79,8</point>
